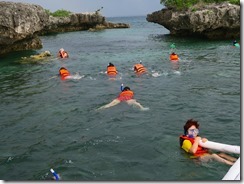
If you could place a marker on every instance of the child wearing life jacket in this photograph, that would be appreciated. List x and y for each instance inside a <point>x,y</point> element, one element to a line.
<point>139,68</point>
<point>62,53</point>
<point>173,57</point>
<point>189,143</point>
<point>127,96</point>
<point>111,70</point>
<point>64,73</point>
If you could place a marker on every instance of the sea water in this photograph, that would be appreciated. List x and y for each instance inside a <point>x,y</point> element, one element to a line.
<point>46,122</point>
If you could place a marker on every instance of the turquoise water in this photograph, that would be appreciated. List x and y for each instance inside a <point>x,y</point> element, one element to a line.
<point>49,123</point>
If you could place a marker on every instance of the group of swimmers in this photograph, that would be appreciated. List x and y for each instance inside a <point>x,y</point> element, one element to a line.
<point>188,142</point>
<point>126,95</point>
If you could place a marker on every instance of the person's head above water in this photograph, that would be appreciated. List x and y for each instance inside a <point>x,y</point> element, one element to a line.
<point>110,64</point>
<point>173,53</point>
<point>190,123</point>
<point>61,50</point>
<point>126,88</point>
<point>62,68</point>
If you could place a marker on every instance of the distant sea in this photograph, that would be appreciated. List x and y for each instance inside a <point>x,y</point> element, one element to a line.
<point>48,123</point>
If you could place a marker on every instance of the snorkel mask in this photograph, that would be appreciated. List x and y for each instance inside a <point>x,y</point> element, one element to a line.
<point>192,133</point>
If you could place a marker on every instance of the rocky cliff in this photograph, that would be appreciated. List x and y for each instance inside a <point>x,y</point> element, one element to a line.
<point>21,23</point>
<point>215,21</point>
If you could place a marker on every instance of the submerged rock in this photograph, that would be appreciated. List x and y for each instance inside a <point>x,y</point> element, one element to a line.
<point>214,21</point>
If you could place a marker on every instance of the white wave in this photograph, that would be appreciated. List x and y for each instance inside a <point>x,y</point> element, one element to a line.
<point>75,77</point>
<point>156,74</point>
<point>177,72</point>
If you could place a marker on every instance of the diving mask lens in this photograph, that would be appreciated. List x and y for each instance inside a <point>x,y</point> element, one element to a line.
<point>193,131</point>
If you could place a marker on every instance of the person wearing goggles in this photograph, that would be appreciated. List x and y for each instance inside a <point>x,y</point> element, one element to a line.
<point>189,142</point>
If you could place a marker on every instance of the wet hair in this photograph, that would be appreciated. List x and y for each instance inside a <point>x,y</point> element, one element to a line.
<point>62,68</point>
<point>189,123</point>
<point>110,64</point>
<point>173,53</point>
<point>126,88</point>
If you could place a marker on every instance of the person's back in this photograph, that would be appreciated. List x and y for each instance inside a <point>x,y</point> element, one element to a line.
<point>174,57</point>
<point>126,94</point>
<point>139,68</point>
<point>63,72</point>
<point>111,70</point>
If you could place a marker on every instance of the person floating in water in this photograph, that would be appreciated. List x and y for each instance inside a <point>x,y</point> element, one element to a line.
<point>111,70</point>
<point>127,96</point>
<point>189,143</point>
<point>139,68</point>
<point>62,53</point>
<point>173,57</point>
<point>235,43</point>
<point>64,73</point>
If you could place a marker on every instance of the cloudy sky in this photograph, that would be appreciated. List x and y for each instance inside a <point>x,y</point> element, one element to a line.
<point>111,8</point>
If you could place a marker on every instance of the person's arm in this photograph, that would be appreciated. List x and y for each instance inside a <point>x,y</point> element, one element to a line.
<point>194,147</point>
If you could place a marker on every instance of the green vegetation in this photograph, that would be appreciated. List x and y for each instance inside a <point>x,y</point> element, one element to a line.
<point>185,4</point>
<point>59,13</point>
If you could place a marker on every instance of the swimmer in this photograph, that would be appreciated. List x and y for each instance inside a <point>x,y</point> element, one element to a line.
<point>173,57</point>
<point>189,142</point>
<point>127,96</point>
<point>62,53</point>
<point>65,74</point>
<point>139,68</point>
<point>111,70</point>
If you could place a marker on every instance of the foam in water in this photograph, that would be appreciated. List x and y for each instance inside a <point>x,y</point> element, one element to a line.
<point>75,77</point>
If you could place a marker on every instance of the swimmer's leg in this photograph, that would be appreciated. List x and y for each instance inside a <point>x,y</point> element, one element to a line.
<point>220,159</point>
<point>227,157</point>
<point>134,103</point>
<point>111,104</point>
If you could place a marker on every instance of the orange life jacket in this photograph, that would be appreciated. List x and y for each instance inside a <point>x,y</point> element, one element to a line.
<point>126,95</point>
<point>139,68</point>
<point>64,73</point>
<point>111,70</point>
<point>63,54</point>
<point>173,57</point>
<point>200,150</point>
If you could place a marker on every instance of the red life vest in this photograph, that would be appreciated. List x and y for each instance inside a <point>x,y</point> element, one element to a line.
<point>64,73</point>
<point>111,70</point>
<point>139,68</point>
<point>173,57</point>
<point>200,150</point>
<point>126,95</point>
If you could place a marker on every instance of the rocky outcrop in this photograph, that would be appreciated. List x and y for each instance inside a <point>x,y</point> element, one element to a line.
<point>21,23</point>
<point>78,22</point>
<point>215,21</point>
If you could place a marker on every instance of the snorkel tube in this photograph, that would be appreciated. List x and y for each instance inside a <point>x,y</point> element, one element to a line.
<point>121,87</point>
<point>54,174</point>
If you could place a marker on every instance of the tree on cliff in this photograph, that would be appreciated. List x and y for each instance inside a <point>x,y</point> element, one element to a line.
<point>59,13</point>
<point>185,4</point>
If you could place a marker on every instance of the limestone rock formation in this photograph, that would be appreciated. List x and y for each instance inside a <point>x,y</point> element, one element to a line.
<point>19,22</point>
<point>215,21</point>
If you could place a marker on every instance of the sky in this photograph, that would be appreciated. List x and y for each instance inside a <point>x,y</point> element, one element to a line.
<point>111,8</point>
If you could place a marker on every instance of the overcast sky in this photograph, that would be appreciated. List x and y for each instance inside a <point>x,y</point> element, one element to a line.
<point>111,8</point>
